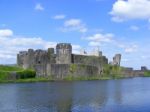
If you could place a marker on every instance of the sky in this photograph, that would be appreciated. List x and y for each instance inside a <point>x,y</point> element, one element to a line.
<point>113,26</point>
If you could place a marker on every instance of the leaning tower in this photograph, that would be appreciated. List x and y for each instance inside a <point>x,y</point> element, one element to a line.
<point>63,53</point>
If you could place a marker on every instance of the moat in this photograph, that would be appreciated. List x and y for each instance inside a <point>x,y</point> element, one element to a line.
<point>124,95</point>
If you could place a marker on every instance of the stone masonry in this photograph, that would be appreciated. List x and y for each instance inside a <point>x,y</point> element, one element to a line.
<point>62,63</point>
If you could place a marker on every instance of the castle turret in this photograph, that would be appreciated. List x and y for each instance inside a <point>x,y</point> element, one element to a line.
<point>30,59</point>
<point>117,59</point>
<point>63,53</point>
<point>51,55</point>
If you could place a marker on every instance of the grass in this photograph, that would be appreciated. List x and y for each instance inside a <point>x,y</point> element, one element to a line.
<point>109,72</point>
<point>71,78</point>
<point>20,73</point>
<point>10,68</point>
<point>27,80</point>
<point>113,72</point>
<point>147,74</point>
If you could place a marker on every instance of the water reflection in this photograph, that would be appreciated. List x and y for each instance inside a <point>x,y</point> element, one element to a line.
<point>81,96</point>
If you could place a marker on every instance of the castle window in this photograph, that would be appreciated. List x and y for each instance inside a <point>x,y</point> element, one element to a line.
<point>39,62</point>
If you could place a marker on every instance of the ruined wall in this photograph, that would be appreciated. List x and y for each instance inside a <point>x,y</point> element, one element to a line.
<point>59,65</point>
<point>138,73</point>
<point>89,60</point>
<point>60,71</point>
<point>97,61</point>
<point>21,59</point>
<point>28,59</point>
<point>127,72</point>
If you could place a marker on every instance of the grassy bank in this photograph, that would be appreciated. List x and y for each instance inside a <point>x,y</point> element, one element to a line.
<point>5,71</point>
<point>27,80</point>
<point>147,74</point>
<point>14,74</point>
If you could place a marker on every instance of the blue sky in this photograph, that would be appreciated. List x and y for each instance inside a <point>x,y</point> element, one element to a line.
<point>115,26</point>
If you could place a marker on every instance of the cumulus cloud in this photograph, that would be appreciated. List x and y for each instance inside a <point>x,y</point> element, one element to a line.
<point>134,28</point>
<point>9,47</point>
<point>130,9</point>
<point>39,7</point>
<point>131,49</point>
<point>94,44</point>
<point>109,39</point>
<point>98,38</point>
<point>6,32</point>
<point>74,25</point>
<point>60,16</point>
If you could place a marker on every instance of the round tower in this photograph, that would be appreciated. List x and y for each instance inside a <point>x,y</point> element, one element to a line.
<point>63,53</point>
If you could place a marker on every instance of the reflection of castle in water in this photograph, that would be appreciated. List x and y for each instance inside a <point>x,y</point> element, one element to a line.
<point>63,96</point>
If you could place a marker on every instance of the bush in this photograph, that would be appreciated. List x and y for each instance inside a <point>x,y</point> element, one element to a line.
<point>3,75</point>
<point>147,74</point>
<point>26,74</point>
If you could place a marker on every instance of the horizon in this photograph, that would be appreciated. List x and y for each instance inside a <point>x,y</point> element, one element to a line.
<point>110,25</point>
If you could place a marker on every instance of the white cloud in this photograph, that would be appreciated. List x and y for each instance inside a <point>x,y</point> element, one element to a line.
<point>61,16</point>
<point>9,47</point>
<point>130,9</point>
<point>134,28</point>
<point>131,49</point>
<point>127,47</point>
<point>74,25</point>
<point>109,40</point>
<point>39,7</point>
<point>98,38</point>
<point>6,32</point>
<point>94,44</point>
<point>73,22</point>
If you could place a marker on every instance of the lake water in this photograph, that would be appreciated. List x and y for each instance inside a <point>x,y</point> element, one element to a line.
<point>125,95</point>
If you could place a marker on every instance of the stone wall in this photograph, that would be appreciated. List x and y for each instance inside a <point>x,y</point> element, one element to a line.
<point>129,72</point>
<point>59,64</point>
<point>28,59</point>
<point>60,71</point>
<point>97,61</point>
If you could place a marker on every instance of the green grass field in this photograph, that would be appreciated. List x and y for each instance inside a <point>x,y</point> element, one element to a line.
<point>6,71</point>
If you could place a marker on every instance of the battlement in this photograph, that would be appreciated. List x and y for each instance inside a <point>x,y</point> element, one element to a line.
<point>63,46</point>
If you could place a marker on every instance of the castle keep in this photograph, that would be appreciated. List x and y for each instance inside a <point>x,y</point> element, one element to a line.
<point>61,62</point>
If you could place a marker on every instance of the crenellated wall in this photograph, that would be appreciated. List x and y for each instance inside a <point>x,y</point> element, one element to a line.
<point>47,63</point>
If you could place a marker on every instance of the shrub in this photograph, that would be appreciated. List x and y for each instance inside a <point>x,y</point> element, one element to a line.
<point>26,74</point>
<point>3,75</point>
<point>147,74</point>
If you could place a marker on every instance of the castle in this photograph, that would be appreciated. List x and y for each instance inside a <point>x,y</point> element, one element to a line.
<point>61,62</point>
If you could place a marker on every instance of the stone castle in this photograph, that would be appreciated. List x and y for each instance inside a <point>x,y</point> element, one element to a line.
<point>60,62</point>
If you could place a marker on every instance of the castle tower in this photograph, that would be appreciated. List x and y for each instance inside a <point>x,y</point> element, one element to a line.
<point>63,53</point>
<point>51,55</point>
<point>117,59</point>
<point>30,59</point>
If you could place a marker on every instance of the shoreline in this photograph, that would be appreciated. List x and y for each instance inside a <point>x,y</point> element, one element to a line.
<point>34,80</point>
